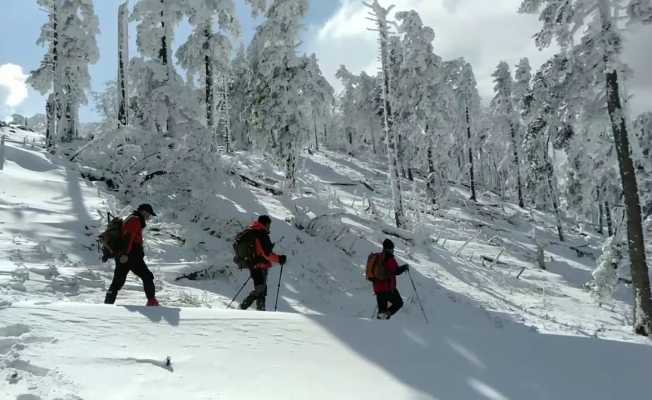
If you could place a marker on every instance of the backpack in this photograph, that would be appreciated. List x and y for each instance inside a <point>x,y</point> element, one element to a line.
<point>244,248</point>
<point>112,241</point>
<point>376,270</point>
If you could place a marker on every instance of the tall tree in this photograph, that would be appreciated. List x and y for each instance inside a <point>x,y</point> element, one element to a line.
<point>207,50</point>
<point>600,46</point>
<point>123,62</point>
<point>70,36</point>
<point>280,110</point>
<point>502,107</point>
<point>379,15</point>
<point>157,100</point>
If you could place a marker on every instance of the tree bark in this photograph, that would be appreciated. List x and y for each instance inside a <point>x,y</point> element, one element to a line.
<point>600,214</point>
<point>123,59</point>
<point>610,226</point>
<point>517,164</point>
<point>468,135</point>
<point>639,269</point>
<point>209,85</point>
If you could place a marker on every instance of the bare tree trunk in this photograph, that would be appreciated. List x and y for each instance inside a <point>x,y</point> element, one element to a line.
<point>610,225</point>
<point>123,60</point>
<point>468,135</point>
<point>517,165</point>
<point>600,214</point>
<point>209,85</point>
<point>314,120</point>
<point>50,131</point>
<point>555,205</point>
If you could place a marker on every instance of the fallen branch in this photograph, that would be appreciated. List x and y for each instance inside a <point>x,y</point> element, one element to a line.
<point>152,175</point>
<point>255,183</point>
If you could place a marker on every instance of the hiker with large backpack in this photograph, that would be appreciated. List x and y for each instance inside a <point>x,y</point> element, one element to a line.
<point>123,241</point>
<point>382,269</point>
<point>254,250</point>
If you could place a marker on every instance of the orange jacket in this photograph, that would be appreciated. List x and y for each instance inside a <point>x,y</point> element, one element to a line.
<point>264,247</point>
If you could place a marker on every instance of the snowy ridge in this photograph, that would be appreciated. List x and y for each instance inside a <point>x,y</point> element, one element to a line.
<point>322,345</point>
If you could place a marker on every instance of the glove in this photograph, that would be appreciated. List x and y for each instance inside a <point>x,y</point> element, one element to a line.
<point>123,259</point>
<point>282,260</point>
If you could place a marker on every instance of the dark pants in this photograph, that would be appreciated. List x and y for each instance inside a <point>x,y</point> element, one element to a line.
<point>135,264</point>
<point>384,299</point>
<point>259,276</point>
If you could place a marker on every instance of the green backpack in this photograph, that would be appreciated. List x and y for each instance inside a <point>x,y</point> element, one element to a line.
<point>244,248</point>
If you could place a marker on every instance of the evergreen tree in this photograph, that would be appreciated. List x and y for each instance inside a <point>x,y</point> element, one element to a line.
<point>503,108</point>
<point>600,48</point>
<point>280,110</point>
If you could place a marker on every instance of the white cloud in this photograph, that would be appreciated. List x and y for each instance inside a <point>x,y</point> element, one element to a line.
<point>13,80</point>
<point>483,32</point>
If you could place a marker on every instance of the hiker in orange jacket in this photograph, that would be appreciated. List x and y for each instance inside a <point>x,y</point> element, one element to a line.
<point>387,296</point>
<point>134,257</point>
<point>265,258</point>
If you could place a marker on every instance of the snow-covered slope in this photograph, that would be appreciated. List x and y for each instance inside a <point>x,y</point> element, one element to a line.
<point>474,268</point>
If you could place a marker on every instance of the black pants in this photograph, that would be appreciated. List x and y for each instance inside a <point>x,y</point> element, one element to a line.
<point>135,264</point>
<point>393,297</point>
<point>259,276</point>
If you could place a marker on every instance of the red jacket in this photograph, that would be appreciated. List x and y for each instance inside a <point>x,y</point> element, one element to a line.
<point>264,247</point>
<point>133,229</point>
<point>389,284</point>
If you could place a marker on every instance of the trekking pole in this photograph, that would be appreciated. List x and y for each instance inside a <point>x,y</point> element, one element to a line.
<point>236,295</point>
<point>416,294</point>
<point>278,288</point>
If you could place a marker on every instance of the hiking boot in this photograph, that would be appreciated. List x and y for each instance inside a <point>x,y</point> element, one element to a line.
<point>383,315</point>
<point>247,302</point>
<point>152,302</point>
<point>110,297</point>
<point>260,304</point>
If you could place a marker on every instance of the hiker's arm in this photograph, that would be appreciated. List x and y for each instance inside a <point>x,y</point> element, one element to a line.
<point>271,257</point>
<point>402,269</point>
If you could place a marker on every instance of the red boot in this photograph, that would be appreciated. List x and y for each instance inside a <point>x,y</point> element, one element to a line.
<point>152,302</point>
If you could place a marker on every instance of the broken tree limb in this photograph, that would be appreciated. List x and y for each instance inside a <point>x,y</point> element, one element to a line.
<point>255,183</point>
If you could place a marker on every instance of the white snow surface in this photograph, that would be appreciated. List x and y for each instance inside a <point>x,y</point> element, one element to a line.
<point>490,334</point>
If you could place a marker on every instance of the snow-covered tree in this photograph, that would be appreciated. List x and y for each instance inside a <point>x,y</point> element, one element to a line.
<point>70,36</point>
<point>461,80</point>
<point>503,108</point>
<point>598,25</point>
<point>379,16</point>
<point>207,50</point>
<point>605,275</point>
<point>643,158</point>
<point>123,63</point>
<point>157,90</point>
<point>281,111</point>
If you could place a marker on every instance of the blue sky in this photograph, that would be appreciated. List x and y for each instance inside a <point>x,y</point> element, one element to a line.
<point>21,21</point>
<point>485,32</point>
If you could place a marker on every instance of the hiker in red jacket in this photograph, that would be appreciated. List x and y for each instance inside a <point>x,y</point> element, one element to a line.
<point>387,296</point>
<point>133,258</point>
<point>264,260</point>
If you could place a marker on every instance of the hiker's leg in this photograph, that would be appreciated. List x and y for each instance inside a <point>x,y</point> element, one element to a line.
<point>141,270</point>
<point>256,276</point>
<point>396,300</point>
<point>262,291</point>
<point>119,278</point>
<point>381,301</point>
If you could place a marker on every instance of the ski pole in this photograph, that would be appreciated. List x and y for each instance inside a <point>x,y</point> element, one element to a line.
<point>416,294</point>
<point>278,288</point>
<point>236,295</point>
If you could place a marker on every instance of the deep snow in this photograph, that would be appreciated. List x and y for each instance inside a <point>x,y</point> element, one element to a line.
<point>493,334</point>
